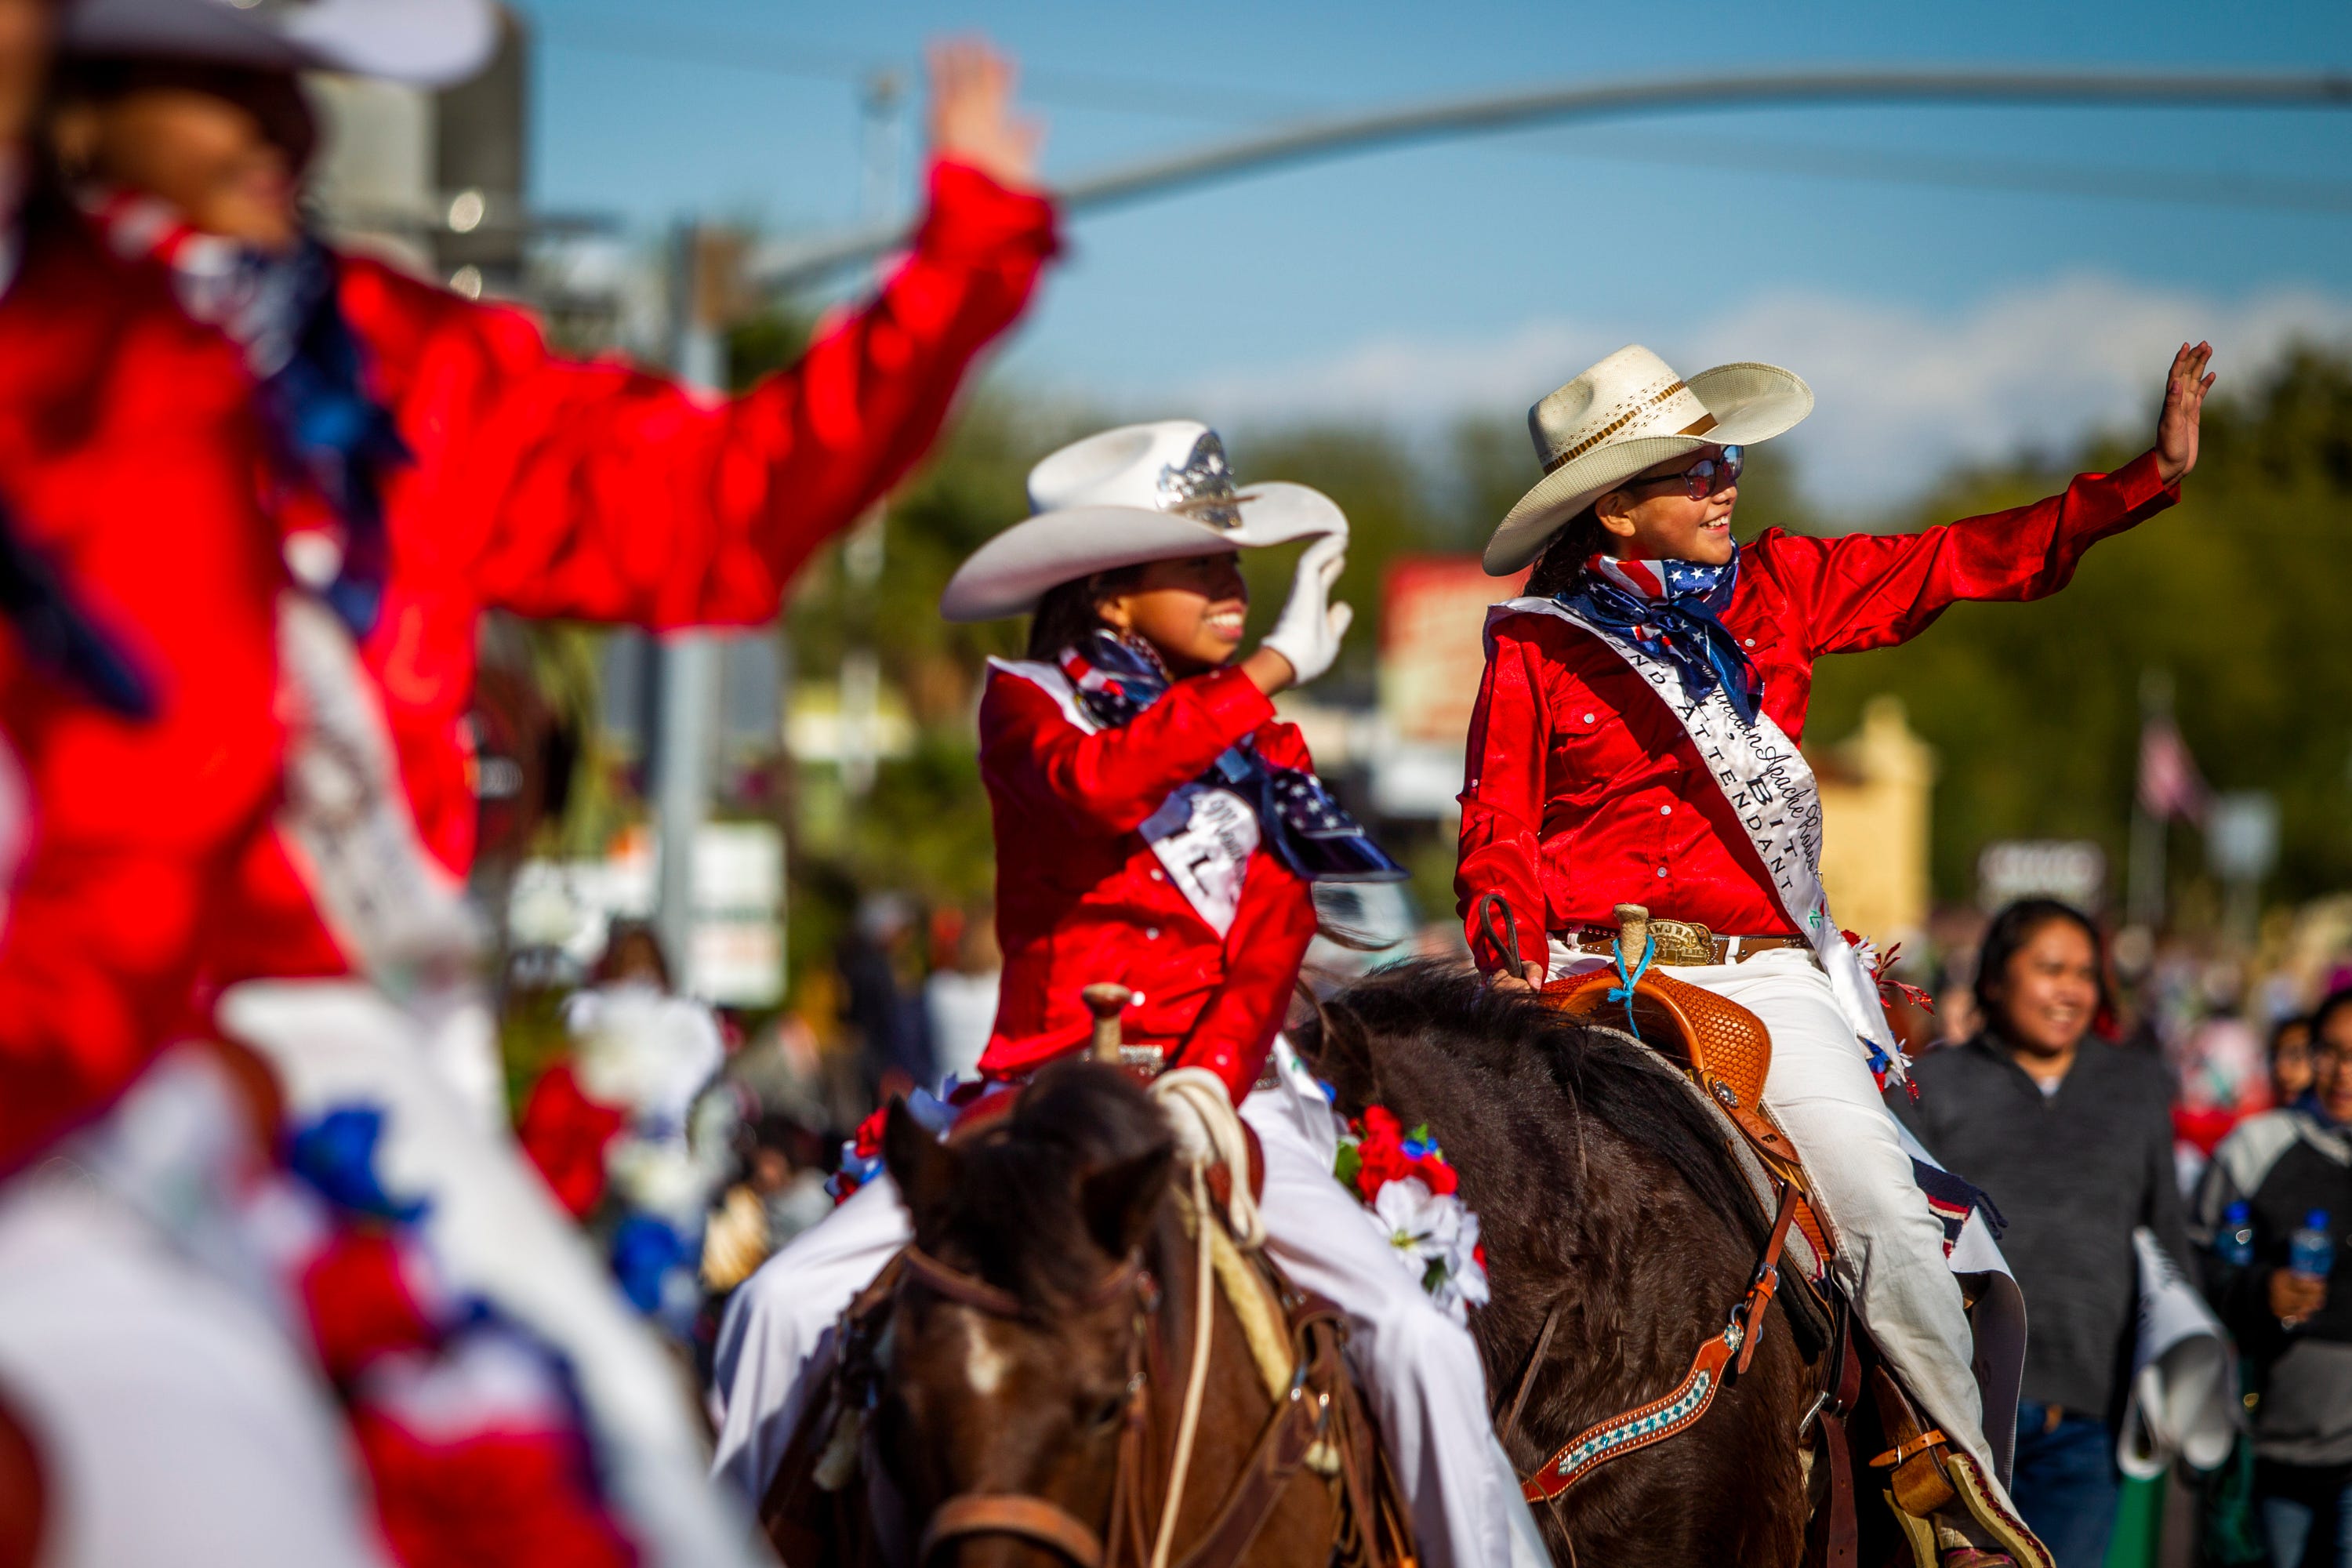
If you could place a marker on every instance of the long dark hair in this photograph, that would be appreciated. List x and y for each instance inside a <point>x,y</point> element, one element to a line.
<point>1563,563</point>
<point>2010,931</point>
<point>1066,612</point>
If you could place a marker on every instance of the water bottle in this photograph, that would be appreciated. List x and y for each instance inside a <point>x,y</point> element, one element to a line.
<point>2310,1250</point>
<point>2233,1243</point>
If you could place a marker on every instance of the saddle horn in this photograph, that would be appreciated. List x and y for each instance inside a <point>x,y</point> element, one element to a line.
<point>1106,999</point>
<point>1632,930</point>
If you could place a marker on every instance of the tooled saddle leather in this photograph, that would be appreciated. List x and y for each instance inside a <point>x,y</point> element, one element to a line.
<point>1722,1047</point>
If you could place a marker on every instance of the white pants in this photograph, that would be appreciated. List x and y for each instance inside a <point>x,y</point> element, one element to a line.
<point>495,1229</point>
<point>177,1426</point>
<point>1890,1244</point>
<point>1420,1369</point>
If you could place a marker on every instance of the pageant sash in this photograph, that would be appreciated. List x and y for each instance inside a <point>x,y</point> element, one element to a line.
<point>1771,789</point>
<point>401,919</point>
<point>1202,835</point>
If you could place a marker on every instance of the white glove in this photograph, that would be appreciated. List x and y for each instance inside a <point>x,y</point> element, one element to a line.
<point>1308,631</point>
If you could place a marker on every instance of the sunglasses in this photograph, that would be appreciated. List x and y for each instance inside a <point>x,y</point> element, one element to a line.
<point>1704,477</point>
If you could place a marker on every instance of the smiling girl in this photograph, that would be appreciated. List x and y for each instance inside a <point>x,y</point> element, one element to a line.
<point>1636,742</point>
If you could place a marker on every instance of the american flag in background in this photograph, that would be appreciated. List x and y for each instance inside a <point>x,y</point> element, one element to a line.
<point>2169,784</point>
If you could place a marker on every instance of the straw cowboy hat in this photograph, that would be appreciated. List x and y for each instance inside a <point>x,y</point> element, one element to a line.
<point>1629,413</point>
<point>1138,493</point>
<point>430,43</point>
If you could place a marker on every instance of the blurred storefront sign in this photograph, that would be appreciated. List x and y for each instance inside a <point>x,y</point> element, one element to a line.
<point>738,902</point>
<point>2072,870</point>
<point>736,952</point>
<point>1433,651</point>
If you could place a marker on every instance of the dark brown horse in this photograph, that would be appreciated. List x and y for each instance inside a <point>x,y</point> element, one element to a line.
<point>1602,1188</point>
<point>1027,1362</point>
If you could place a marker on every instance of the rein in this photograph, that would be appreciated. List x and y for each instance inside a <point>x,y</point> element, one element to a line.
<point>1732,1347</point>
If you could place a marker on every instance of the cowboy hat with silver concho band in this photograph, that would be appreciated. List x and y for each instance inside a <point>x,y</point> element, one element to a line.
<point>430,43</point>
<point>1141,492</point>
<point>1629,413</point>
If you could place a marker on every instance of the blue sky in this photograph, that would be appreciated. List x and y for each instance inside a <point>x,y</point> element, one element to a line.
<point>1938,319</point>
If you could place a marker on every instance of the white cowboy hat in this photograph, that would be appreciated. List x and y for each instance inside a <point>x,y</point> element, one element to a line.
<point>1629,413</point>
<point>430,43</point>
<point>1141,492</point>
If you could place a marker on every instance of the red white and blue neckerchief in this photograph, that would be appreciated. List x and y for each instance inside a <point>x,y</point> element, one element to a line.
<point>1117,679</point>
<point>1674,610</point>
<point>282,311</point>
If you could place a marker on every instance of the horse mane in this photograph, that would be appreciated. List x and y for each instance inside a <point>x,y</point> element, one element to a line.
<point>1606,1076</point>
<point>1017,1214</point>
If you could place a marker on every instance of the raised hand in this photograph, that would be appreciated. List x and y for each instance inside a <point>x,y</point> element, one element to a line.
<point>2184,404</point>
<point>1307,632</point>
<point>971,114</point>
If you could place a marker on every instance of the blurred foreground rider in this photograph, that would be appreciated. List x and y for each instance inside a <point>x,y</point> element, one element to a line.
<point>424,458</point>
<point>436,460</point>
<point>174,1415</point>
<point>1636,742</point>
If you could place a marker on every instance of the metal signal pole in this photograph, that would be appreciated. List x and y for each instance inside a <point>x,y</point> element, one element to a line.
<point>688,662</point>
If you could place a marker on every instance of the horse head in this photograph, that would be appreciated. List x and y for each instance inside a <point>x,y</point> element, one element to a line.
<point>1017,1337</point>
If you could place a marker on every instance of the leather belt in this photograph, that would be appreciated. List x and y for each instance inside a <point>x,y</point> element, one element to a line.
<point>1687,944</point>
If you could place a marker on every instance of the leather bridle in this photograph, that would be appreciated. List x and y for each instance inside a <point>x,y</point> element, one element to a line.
<point>1035,1518</point>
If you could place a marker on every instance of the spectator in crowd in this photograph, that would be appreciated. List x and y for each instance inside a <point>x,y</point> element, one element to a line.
<point>960,998</point>
<point>2291,1073</point>
<point>2276,1200</point>
<point>633,956</point>
<point>2071,1137</point>
<point>883,1000</point>
<point>780,1193</point>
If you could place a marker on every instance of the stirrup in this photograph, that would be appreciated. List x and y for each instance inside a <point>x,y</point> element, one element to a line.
<point>2013,1543</point>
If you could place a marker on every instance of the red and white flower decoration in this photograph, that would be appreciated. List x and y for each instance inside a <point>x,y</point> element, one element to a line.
<point>1409,1192</point>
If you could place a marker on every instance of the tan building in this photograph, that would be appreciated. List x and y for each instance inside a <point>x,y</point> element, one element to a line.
<point>1876,786</point>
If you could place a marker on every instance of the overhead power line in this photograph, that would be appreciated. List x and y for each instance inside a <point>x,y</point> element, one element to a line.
<point>803,260</point>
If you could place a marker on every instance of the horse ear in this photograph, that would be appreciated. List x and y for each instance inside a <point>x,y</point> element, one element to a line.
<point>1118,1200</point>
<point>924,1169</point>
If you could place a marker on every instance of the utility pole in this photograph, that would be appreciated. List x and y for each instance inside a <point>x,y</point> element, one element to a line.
<point>863,552</point>
<point>688,662</point>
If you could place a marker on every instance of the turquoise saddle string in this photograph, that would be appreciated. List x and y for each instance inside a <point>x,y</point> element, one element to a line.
<point>1624,990</point>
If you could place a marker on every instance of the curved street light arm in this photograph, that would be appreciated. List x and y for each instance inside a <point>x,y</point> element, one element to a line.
<point>789,262</point>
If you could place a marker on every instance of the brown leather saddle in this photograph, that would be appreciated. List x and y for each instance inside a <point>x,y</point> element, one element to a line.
<point>1720,1045</point>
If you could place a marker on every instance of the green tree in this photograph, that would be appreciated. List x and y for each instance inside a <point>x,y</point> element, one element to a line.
<point>2239,592</point>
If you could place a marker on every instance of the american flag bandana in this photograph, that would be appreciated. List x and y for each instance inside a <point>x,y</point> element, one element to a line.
<point>1674,610</point>
<point>1117,679</point>
<point>281,311</point>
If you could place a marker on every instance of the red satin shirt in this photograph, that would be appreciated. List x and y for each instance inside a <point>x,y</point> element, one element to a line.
<point>127,450</point>
<point>1081,897</point>
<point>1583,790</point>
<point>556,487</point>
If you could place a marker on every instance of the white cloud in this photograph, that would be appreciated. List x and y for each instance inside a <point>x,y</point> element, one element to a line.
<point>1903,394</point>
